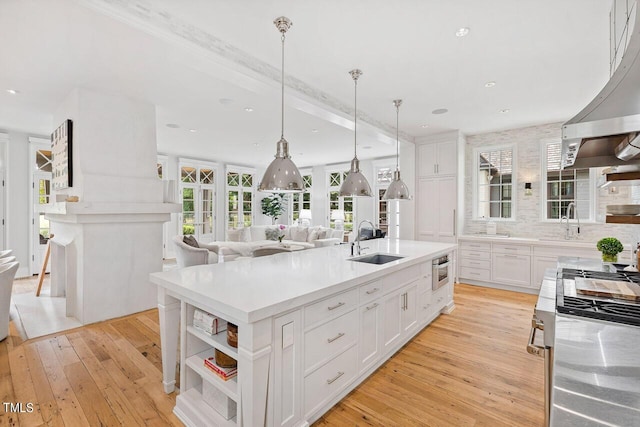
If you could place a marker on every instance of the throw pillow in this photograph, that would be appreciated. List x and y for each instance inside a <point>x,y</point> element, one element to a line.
<point>233,235</point>
<point>313,234</point>
<point>272,233</point>
<point>322,234</point>
<point>287,233</point>
<point>299,234</point>
<point>245,234</point>
<point>191,241</point>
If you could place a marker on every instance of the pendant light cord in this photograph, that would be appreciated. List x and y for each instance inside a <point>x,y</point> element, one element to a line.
<point>397,135</point>
<point>282,129</point>
<point>355,117</point>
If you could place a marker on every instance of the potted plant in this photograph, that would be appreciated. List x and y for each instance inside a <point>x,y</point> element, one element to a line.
<point>274,205</point>
<point>610,248</point>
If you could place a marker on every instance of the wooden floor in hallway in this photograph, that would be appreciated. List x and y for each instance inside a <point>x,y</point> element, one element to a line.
<point>469,368</point>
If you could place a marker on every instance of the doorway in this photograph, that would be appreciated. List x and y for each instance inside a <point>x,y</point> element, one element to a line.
<point>41,193</point>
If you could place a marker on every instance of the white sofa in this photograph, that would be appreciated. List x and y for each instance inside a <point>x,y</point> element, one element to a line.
<point>243,241</point>
<point>187,255</point>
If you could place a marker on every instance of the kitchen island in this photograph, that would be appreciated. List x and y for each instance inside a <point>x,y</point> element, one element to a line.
<point>311,326</point>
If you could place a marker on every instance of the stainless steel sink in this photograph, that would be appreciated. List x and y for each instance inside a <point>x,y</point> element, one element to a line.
<point>376,258</point>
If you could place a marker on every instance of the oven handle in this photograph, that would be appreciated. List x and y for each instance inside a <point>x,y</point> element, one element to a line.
<point>439,266</point>
<point>537,350</point>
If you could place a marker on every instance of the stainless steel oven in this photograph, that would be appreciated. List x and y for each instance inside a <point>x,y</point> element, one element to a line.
<point>440,272</point>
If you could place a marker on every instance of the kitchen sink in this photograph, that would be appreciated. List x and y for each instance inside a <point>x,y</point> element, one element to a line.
<point>376,258</point>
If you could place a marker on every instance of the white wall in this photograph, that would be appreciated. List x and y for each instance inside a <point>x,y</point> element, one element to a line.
<point>408,175</point>
<point>528,215</point>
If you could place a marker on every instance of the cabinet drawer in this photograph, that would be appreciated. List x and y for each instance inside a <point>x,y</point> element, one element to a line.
<point>329,380</point>
<point>425,307</point>
<point>400,278</point>
<point>513,270</point>
<point>503,248</point>
<point>370,291</point>
<point>476,263</point>
<point>475,246</point>
<point>330,307</point>
<point>467,254</point>
<point>439,298</point>
<point>327,340</point>
<point>475,273</point>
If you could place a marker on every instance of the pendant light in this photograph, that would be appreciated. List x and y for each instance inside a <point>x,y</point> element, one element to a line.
<point>282,175</point>
<point>355,184</point>
<point>397,189</point>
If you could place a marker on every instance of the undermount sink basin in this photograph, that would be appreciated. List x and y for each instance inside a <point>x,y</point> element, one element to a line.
<point>377,258</point>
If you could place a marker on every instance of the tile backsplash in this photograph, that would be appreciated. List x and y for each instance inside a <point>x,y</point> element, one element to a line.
<point>528,208</point>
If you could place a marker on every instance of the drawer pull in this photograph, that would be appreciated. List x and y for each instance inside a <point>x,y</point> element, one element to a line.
<point>372,291</point>
<point>510,256</point>
<point>372,306</point>
<point>474,273</point>
<point>340,335</point>
<point>475,263</point>
<point>335,378</point>
<point>340,304</point>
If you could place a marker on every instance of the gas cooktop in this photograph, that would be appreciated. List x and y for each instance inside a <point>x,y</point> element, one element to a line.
<point>608,309</point>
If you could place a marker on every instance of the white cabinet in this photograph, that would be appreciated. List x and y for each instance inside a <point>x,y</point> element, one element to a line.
<point>400,314</point>
<point>370,345</point>
<point>438,158</point>
<point>511,269</point>
<point>436,212</point>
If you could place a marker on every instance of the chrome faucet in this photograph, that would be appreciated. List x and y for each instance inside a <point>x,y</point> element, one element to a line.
<point>567,230</point>
<point>358,249</point>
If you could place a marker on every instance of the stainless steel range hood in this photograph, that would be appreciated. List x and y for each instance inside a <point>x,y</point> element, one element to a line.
<point>607,131</point>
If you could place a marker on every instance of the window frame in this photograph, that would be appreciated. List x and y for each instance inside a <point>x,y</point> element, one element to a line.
<point>295,206</point>
<point>514,180</point>
<point>198,188</point>
<point>343,170</point>
<point>593,175</point>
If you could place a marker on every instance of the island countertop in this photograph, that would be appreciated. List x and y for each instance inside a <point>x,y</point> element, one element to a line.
<point>252,289</point>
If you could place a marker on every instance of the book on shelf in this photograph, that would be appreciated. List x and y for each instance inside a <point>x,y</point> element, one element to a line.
<point>224,373</point>
<point>208,323</point>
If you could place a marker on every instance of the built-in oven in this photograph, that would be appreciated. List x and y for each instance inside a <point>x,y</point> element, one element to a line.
<point>440,272</point>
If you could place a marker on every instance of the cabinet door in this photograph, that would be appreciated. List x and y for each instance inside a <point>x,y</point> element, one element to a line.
<point>512,270</point>
<point>427,209</point>
<point>287,383</point>
<point>409,296</point>
<point>540,264</point>
<point>446,206</point>
<point>427,160</point>
<point>447,158</point>
<point>370,346</point>
<point>392,325</point>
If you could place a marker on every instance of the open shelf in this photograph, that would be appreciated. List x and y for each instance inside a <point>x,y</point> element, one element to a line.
<point>623,219</point>
<point>192,409</point>
<point>218,341</point>
<point>229,387</point>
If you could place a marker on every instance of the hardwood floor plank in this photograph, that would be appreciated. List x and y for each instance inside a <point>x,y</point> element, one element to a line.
<point>45,403</point>
<point>68,405</point>
<point>23,387</point>
<point>91,400</point>
<point>6,389</point>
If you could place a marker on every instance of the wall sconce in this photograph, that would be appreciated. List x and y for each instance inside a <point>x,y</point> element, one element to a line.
<point>527,189</point>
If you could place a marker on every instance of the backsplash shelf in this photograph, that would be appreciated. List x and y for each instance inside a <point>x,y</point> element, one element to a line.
<point>623,219</point>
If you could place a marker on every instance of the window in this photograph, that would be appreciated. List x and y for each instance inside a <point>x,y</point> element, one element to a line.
<point>337,203</point>
<point>197,190</point>
<point>240,197</point>
<point>494,181</point>
<point>384,176</point>
<point>563,186</point>
<point>301,200</point>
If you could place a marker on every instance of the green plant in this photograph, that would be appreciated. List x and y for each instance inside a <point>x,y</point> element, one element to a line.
<point>274,205</point>
<point>609,246</point>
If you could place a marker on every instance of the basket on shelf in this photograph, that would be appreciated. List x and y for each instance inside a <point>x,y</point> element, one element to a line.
<point>224,361</point>
<point>232,335</point>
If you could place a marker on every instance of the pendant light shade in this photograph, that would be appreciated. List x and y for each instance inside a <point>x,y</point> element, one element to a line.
<point>355,184</point>
<point>397,189</point>
<point>282,175</point>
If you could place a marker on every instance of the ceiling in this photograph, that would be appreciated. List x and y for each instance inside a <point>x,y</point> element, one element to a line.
<point>203,62</point>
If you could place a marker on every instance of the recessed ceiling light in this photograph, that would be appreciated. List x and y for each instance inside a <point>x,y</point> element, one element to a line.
<point>315,130</point>
<point>461,32</point>
<point>440,111</point>
<point>256,144</point>
<point>193,130</point>
<point>489,84</point>
<point>424,126</point>
<point>504,111</point>
<point>13,91</point>
<point>173,125</point>
<point>225,101</point>
<point>248,109</point>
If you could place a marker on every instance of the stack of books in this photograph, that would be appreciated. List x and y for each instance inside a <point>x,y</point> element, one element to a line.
<point>208,323</point>
<point>224,373</point>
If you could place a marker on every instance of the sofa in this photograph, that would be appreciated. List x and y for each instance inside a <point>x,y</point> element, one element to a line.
<point>242,242</point>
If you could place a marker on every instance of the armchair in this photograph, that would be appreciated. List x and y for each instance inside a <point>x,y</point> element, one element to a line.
<point>7,274</point>
<point>187,255</point>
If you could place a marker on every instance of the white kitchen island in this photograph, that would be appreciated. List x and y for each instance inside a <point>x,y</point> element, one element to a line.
<point>311,326</point>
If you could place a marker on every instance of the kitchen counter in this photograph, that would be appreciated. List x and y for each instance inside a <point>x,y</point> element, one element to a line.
<point>571,243</point>
<point>311,325</point>
<point>596,377</point>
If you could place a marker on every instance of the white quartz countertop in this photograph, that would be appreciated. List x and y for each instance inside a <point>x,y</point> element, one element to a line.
<point>596,374</point>
<point>252,289</point>
<point>532,241</point>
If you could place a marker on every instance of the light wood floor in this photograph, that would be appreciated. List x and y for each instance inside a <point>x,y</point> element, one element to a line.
<point>469,368</point>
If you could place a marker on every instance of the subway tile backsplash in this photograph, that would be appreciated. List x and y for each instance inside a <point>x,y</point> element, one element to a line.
<point>528,208</point>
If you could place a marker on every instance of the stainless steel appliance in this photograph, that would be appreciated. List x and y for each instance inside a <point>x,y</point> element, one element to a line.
<point>440,272</point>
<point>558,294</point>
